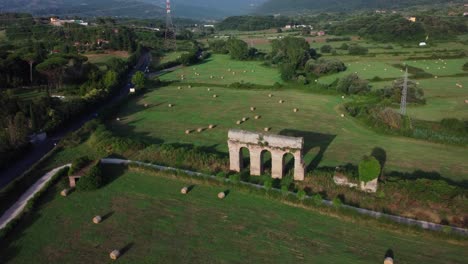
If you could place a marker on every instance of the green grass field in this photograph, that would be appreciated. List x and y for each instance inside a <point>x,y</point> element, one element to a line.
<point>319,121</point>
<point>218,66</point>
<point>3,35</point>
<point>149,217</point>
<point>172,56</point>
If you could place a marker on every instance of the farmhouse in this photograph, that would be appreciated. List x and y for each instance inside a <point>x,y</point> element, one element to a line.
<point>55,21</point>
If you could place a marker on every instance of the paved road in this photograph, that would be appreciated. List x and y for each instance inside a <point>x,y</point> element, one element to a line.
<point>37,151</point>
<point>18,207</point>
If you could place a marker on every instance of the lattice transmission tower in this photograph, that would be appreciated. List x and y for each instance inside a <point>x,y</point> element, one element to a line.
<point>170,35</point>
<point>404,93</point>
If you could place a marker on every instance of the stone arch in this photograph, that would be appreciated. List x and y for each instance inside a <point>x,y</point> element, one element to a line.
<point>257,144</point>
<point>244,157</point>
<point>266,159</point>
<point>288,163</point>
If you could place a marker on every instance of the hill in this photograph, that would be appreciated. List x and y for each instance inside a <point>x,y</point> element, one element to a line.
<point>84,8</point>
<point>275,6</point>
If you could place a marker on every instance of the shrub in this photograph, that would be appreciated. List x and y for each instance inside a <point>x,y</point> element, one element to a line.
<point>301,194</point>
<point>369,169</point>
<point>235,178</point>
<point>453,124</point>
<point>325,66</point>
<point>92,180</point>
<point>326,49</point>
<point>287,71</point>
<point>78,164</point>
<point>317,199</point>
<point>352,84</point>
<point>357,50</point>
<point>336,202</point>
<point>268,184</point>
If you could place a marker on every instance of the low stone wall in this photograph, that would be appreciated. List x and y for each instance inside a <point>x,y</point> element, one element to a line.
<point>342,180</point>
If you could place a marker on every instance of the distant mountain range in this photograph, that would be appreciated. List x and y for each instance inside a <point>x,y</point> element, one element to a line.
<point>278,6</point>
<point>199,9</point>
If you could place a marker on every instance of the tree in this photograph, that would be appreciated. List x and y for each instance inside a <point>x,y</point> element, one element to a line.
<point>139,80</point>
<point>352,84</point>
<point>357,50</point>
<point>295,51</point>
<point>326,49</point>
<point>238,49</point>
<point>414,93</point>
<point>325,66</point>
<point>369,169</point>
<point>53,68</point>
<point>287,71</point>
<point>17,127</point>
<point>30,58</point>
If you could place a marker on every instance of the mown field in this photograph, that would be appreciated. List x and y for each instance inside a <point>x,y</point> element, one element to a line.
<point>105,57</point>
<point>225,71</point>
<point>147,217</point>
<point>339,139</point>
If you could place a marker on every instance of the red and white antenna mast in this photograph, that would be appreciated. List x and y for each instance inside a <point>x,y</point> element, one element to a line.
<point>170,35</point>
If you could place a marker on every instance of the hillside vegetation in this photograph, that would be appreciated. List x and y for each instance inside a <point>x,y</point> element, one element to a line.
<point>342,5</point>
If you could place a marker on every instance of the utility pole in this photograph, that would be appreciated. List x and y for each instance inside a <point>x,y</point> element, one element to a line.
<point>404,93</point>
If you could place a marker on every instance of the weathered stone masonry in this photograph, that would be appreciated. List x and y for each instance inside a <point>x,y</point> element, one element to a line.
<point>257,144</point>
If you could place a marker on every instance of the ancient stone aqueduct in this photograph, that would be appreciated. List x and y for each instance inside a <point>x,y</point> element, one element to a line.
<point>258,144</point>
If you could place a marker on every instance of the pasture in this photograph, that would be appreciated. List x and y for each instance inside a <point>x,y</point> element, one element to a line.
<point>147,217</point>
<point>103,58</point>
<point>330,139</point>
<point>223,70</point>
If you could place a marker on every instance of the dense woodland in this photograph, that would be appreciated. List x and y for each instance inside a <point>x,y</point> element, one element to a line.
<point>49,60</point>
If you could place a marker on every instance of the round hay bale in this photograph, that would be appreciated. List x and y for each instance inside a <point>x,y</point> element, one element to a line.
<point>199,129</point>
<point>221,195</point>
<point>252,108</point>
<point>190,86</point>
<point>184,190</point>
<point>342,97</point>
<point>65,192</point>
<point>436,77</point>
<point>295,110</point>
<point>342,115</point>
<point>211,126</point>
<point>208,89</point>
<point>146,105</point>
<point>388,260</point>
<point>118,119</point>
<point>266,129</point>
<point>211,76</point>
<point>115,254</point>
<point>280,101</point>
<point>233,73</point>
<point>170,105</point>
<point>270,95</point>
<point>244,119</point>
<point>222,77</point>
<point>229,70</point>
<point>257,117</point>
<point>97,219</point>
<point>214,95</point>
<point>245,71</point>
<point>239,122</point>
<point>187,131</point>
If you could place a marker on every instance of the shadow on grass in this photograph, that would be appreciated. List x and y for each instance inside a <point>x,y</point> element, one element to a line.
<point>112,172</point>
<point>312,140</point>
<point>126,248</point>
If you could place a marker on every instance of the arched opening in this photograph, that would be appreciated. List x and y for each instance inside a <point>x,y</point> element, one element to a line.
<point>244,159</point>
<point>266,162</point>
<point>288,164</point>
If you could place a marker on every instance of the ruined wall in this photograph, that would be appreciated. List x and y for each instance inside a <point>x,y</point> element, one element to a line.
<point>256,143</point>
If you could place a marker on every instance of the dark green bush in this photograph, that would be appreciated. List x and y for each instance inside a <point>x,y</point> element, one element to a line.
<point>79,164</point>
<point>337,203</point>
<point>369,169</point>
<point>453,124</point>
<point>317,199</point>
<point>301,194</point>
<point>93,180</point>
<point>357,50</point>
<point>352,84</point>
